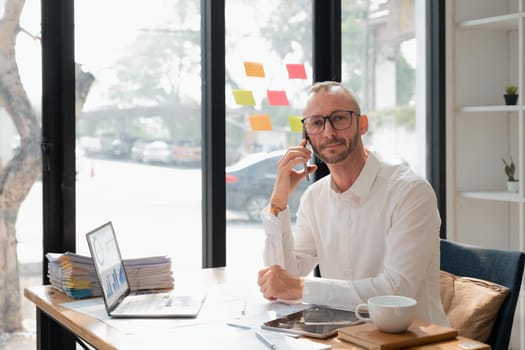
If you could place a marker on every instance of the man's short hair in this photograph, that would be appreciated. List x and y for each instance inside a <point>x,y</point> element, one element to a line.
<point>322,86</point>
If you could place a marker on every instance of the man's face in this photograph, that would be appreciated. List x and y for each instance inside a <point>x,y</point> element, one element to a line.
<point>331,145</point>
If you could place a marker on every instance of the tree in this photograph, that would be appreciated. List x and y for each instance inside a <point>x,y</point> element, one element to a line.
<point>19,174</point>
<point>157,66</point>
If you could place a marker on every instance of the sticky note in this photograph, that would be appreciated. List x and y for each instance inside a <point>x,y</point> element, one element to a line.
<point>296,71</point>
<point>260,122</point>
<point>277,98</point>
<point>295,123</point>
<point>244,97</point>
<point>254,69</point>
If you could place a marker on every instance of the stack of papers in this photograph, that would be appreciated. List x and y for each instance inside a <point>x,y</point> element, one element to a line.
<point>75,275</point>
<point>149,273</point>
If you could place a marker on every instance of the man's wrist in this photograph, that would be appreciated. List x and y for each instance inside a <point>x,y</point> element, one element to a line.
<point>274,209</point>
<point>301,286</point>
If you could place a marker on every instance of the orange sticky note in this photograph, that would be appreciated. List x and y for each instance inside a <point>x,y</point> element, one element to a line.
<point>260,122</point>
<point>254,69</point>
<point>277,98</point>
<point>295,123</point>
<point>244,97</point>
<point>296,71</point>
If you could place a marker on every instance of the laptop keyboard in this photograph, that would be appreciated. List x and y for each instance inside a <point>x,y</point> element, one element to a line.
<point>145,302</point>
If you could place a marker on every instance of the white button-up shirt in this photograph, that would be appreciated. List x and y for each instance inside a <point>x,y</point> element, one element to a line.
<point>379,237</point>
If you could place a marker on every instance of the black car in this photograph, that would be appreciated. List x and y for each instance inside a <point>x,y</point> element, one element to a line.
<point>249,184</point>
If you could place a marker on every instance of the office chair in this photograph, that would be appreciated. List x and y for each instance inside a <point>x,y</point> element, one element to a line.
<point>499,266</point>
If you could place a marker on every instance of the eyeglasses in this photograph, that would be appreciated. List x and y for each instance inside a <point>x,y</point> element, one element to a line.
<point>339,120</point>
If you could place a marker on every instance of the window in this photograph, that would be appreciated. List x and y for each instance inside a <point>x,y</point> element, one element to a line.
<point>383,63</point>
<point>268,70</point>
<point>138,133</point>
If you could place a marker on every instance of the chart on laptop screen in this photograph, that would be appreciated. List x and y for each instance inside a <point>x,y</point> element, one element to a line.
<point>109,264</point>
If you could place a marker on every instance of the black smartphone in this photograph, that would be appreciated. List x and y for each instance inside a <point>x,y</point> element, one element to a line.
<point>305,136</point>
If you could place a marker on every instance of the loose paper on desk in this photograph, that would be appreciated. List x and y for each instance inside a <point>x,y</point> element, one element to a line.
<point>248,340</point>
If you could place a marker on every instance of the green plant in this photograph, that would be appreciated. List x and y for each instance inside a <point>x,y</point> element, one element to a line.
<point>510,168</point>
<point>511,89</point>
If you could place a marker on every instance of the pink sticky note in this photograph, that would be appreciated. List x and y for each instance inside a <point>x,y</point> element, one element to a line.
<point>277,98</point>
<point>296,71</point>
<point>260,122</point>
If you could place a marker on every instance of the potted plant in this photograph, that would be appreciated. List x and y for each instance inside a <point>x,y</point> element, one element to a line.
<point>510,169</point>
<point>511,94</point>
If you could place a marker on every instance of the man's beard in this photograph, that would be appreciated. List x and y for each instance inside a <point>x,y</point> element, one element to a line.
<point>351,145</point>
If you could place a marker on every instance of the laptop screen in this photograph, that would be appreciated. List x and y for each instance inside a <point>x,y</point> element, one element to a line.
<point>108,263</point>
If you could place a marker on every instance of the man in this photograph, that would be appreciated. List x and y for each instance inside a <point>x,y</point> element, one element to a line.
<point>373,228</point>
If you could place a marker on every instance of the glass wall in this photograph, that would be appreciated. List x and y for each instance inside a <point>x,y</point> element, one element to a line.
<point>383,63</point>
<point>268,64</point>
<point>268,71</point>
<point>139,126</point>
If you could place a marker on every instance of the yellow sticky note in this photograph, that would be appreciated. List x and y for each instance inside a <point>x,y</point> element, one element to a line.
<point>254,69</point>
<point>260,122</point>
<point>295,123</point>
<point>244,97</point>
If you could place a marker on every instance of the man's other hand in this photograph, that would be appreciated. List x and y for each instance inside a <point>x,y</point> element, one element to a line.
<point>277,283</point>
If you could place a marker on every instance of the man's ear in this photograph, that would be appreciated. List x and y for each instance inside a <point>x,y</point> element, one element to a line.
<point>363,124</point>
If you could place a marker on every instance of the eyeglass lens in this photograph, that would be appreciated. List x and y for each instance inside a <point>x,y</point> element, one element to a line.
<point>339,120</point>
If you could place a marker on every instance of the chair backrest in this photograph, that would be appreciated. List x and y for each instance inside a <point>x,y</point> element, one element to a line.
<point>503,267</point>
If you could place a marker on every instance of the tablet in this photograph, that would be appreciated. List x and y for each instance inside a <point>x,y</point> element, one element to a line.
<point>316,321</point>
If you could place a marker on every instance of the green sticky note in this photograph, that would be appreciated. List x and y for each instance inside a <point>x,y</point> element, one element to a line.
<point>295,123</point>
<point>244,97</point>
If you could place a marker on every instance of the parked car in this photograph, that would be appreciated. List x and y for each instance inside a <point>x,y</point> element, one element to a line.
<point>121,146</point>
<point>187,152</point>
<point>249,184</point>
<point>158,152</point>
<point>137,150</point>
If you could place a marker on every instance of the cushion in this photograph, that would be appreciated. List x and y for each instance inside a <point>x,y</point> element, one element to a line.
<point>471,304</point>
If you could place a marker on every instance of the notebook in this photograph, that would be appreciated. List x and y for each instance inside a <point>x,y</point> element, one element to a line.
<point>418,333</point>
<point>119,300</point>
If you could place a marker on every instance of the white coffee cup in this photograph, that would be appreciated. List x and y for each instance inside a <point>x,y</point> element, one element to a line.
<point>389,313</point>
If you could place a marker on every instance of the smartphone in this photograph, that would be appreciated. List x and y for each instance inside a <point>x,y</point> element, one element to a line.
<point>305,136</point>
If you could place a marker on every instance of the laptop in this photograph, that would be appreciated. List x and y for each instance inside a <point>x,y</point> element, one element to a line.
<point>119,300</point>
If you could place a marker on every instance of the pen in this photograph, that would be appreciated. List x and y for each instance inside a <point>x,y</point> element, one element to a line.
<point>265,340</point>
<point>243,311</point>
<point>237,325</point>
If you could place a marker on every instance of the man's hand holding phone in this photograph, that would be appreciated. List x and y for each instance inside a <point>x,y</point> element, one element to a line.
<point>287,177</point>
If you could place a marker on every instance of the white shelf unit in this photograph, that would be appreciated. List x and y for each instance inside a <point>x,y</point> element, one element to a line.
<point>485,52</point>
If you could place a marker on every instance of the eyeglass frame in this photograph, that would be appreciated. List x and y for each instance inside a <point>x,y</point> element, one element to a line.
<point>327,117</point>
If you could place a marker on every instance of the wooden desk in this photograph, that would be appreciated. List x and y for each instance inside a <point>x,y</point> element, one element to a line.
<point>103,336</point>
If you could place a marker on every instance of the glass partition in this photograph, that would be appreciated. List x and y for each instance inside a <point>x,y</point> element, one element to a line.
<point>138,132</point>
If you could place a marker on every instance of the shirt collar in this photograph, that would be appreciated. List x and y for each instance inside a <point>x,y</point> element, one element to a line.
<point>362,186</point>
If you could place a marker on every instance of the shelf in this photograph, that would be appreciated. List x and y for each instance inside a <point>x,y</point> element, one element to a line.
<point>497,108</point>
<point>504,22</point>
<point>486,53</point>
<point>503,195</point>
